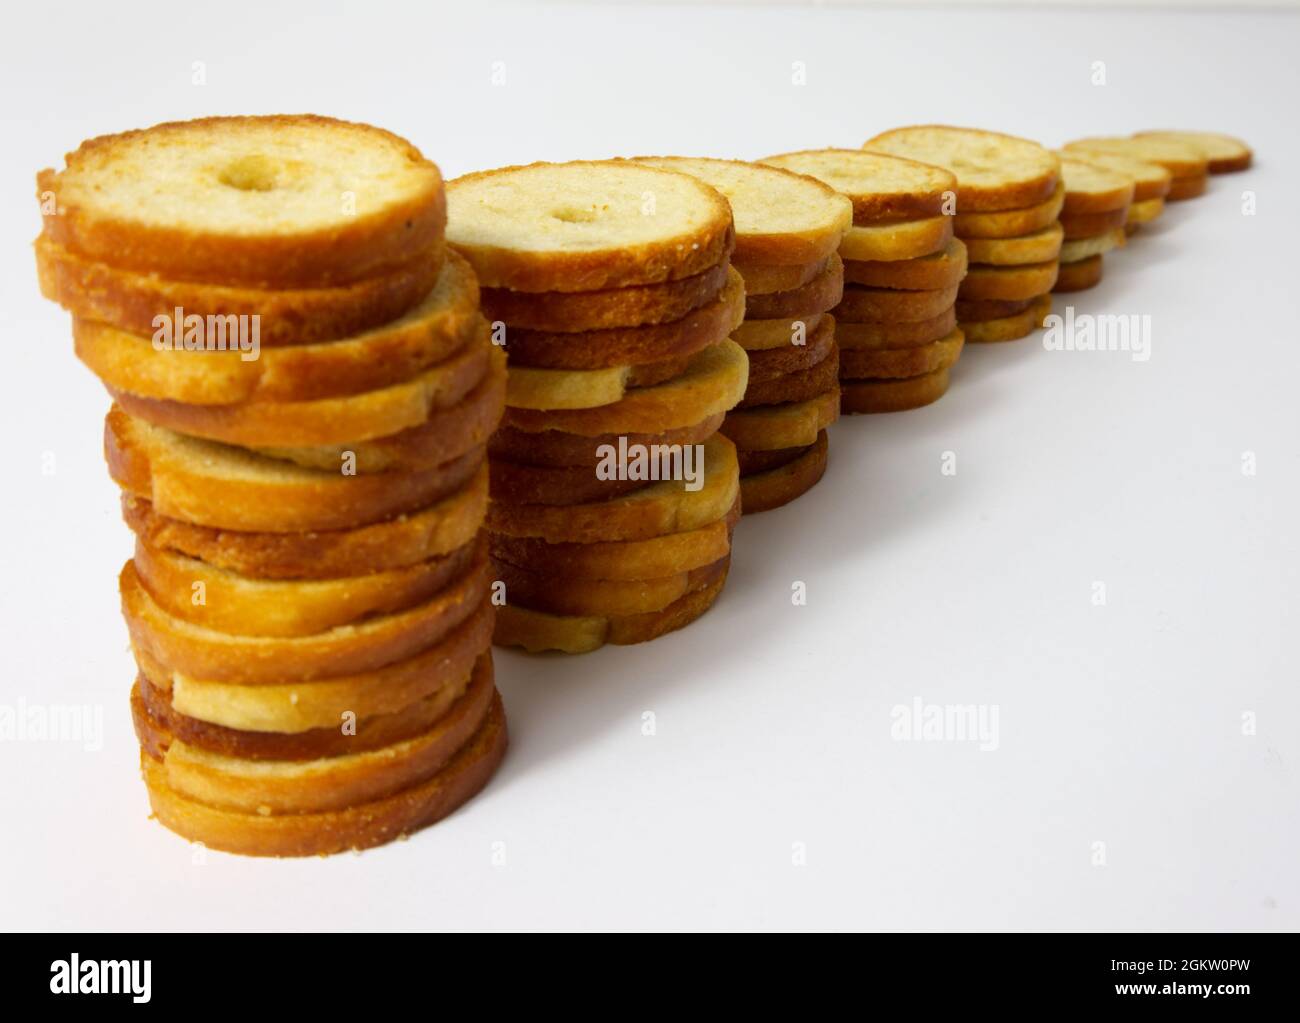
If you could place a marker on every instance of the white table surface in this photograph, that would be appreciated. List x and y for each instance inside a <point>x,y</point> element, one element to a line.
<point>1119,724</point>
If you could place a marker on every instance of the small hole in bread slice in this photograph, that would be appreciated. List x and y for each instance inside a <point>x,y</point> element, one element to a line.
<point>574,215</point>
<point>253,173</point>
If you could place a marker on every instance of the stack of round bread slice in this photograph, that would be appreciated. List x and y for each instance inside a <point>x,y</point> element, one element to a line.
<point>788,227</point>
<point>613,495</point>
<point>1097,203</point>
<point>1187,164</point>
<point>1009,196</point>
<point>304,389</point>
<point>1151,183</point>
<point>895,324</point>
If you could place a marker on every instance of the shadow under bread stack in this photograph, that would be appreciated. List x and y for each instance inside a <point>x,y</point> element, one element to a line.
<point>1097,203</point>
<point>895,324</point>
<point>304,389</point>
<point>613,494</point>
<point>1009,196</point>
<point>788,228</point>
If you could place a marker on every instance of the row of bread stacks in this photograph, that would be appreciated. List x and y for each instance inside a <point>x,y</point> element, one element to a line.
<point>614,496</point>
<point>1009,196</point>
<point>895,324</point>
<point>788,228</point>
<point>304,389</point>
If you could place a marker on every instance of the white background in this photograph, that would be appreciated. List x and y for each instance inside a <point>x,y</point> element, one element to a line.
<point>1119,724</point>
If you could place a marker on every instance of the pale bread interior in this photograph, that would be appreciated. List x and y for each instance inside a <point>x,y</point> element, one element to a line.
<point>980,159</point>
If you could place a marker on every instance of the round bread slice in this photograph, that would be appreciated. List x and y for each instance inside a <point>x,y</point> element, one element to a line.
<point>1080,275</point>
<point>778,486</point>
<point>1150,180</point>
<point>1009,328</point>
<point>1143,212</point>
<point>443,323</point>
<point>926,273</point>
<point>781,218</point>
<point>793,424</point>
<point>324,833</point>
<point>538,631</point>
<point>586,225</point>
<point>1038,247</point>
<point>872,396</point>
<point>1011,283</point>
<point>877,363</point>
<point>994,171</point>
<point>1224,153</point>
<point>131,300</point>
<point>1179,158</point>
<point>263,201</point>
<point>1092,188</point>
<point>1010,223</point>
<point>880,187</point>
<point>1082,248</point>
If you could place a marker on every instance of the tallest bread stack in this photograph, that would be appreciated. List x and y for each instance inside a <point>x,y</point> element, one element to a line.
<point>303,390</point>
<point>609,285</point>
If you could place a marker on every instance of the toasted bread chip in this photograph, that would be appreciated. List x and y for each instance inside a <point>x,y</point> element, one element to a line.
<point>799,385</point>
<point>1009,328</point>
<point>762,335</point>
<point>868,396</point>
<point>994,171</point>
<point>586,226</point>
<point>789,425</point>
<point>1082,248</point>
<point>544,591</point>
<point>884,363</point>
<point>817,296</point>
<point>1010,223</point>
<point>1179,158</point>
<point>1080,275</point>
<point>885,305</point>
<point>537,631</point>
<point>323,833</point>
<point>1223,153</point>
<point>763,279</point>
<point>1009,282</point>
<point>281,201</point>
<point>880,187</point>
<point>857,336</point>
<point>926,273</point>
<point>1093,187</point>
<point>1144,212</point>
<point>781,218</point>
<point>1090,225</point>
<point>772,488</point>
<point>554,448</point>
<point>770,363</point>
<point>891,240</point>
<point>1039,247</point>
<point>131,300</point>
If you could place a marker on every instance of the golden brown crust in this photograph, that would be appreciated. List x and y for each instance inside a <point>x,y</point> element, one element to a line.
<point>627,559</point>
<point>817,296</point>
<point>714,382</point>
<point>789,425</point>
<point>662,507</point>
<point>214,598</point>
<point>1224,153</point>
<point>772,488</point>
<point>1010,223</point>
<point>770,363</point>
<point>1008,282</point>
<point>764,279</point>
<point>537,631</point>
<point>325,833</point>
<point>752,462</point>
<point>974,310</point>
<point>902,239</point>
<point>871,396</point>
<point>570,312</point>
<point>188,483</point>
<point>1038,247</point>
<point>343,419</point>
<point>351,247</point>
<point>444,322</point>
<point>295,707</point>
<point>153,715</point>
<point>332,783</point>
<point>447,434</point>
<point>1089,225</point>
<point>554,485</point>
<point>1079,276</point>
<point>851,336</point>
<point>228,657</point>
<point>618,598</point>
<point>800,385</point>
<point>1188,188</point>
<point>434,530</point>
<point>887,363</point>
<point>885,305</point>
<point>1009,328</point>
<point>555,448</point>
<point>631,346</point>
<point>925,273</point>
<point>130,300</point>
